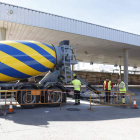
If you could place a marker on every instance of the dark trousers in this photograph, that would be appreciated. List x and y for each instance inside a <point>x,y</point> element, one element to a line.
<point>123,98</point>
<point>77,97</point>
<point>107,95</point>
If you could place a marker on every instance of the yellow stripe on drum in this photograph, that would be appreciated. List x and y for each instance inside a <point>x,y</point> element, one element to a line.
<point>16,64</point>
<point>5,78</point>
<point>30,52</point>
<point>50,51</point>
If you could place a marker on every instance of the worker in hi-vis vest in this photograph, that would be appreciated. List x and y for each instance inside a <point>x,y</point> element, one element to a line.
<point>122,89</point>
<point>107,85</point>
<point>77,87</point>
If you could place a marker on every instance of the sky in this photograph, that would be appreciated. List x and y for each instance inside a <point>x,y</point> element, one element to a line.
<point>118,14</point>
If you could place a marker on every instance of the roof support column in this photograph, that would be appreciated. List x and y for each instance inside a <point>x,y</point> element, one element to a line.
<point>126,68</point>
<point>120,71</point>
<point>2,34</point>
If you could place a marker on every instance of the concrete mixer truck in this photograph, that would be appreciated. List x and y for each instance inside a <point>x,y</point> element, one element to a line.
<point>24,59</point>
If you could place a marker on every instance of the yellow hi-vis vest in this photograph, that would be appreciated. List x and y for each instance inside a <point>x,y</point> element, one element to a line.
<point>76,84</point>
<point>109,85</point>
<point>124,89</point>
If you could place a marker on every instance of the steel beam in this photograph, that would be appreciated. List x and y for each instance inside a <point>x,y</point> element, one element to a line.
<point>120,71</point>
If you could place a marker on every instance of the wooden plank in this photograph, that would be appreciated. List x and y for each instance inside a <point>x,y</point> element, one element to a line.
<point>35,92</point>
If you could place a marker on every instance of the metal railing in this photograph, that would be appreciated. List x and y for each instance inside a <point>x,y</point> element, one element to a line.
<point>109,98</point>
<point>31,97</point>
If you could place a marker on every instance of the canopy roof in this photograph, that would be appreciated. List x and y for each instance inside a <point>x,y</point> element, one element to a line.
<point>95,43</point>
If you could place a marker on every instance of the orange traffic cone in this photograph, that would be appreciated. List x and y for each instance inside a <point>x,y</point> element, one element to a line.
<point>11,109</point>
<point>134,104</point>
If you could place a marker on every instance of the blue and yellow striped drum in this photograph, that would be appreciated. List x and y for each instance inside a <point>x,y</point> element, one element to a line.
<point>24,59</point>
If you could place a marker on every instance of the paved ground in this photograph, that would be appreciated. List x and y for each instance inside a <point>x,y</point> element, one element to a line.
<point>106,123</point>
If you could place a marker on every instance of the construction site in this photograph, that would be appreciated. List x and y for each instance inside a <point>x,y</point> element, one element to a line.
<point>43,95</point>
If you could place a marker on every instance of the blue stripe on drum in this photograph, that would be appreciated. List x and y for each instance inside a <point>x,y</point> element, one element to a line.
<point>51,47</point>
<point>39,50</point>
<point>23,57</point>
<point>4,69</point>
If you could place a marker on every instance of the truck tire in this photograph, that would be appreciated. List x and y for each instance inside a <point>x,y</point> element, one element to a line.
<point>29,100</point>
<point>57,97</point>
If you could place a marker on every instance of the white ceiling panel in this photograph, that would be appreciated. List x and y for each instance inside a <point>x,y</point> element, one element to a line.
<point>89,48</point>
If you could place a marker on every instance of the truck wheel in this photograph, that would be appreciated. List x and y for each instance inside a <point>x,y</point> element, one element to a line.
<point>54,97</point>
<point>27,99</point>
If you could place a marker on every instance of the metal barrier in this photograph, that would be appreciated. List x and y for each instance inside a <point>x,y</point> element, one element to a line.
<point>114,98</point>
<point>32,97</point>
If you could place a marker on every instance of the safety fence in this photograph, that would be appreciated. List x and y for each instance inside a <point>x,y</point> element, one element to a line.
<point>31,97</point>
<point>109,98</point>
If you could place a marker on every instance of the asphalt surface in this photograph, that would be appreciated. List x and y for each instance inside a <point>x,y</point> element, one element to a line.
<point>41,123</point>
